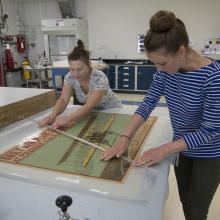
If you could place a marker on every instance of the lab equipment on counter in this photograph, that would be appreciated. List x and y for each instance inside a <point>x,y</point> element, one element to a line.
<point>61,35</point>
<point>212,46</point>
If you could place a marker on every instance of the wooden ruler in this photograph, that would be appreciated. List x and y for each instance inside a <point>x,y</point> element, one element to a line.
<point>91,152</point>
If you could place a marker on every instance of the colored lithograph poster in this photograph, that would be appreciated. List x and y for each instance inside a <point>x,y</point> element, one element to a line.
<point>54,151</point>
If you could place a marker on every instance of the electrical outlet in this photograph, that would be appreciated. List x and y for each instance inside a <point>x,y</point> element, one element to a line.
<point>191,42</point>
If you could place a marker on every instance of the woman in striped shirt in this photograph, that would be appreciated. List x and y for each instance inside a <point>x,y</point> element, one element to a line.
<point>191,86</point>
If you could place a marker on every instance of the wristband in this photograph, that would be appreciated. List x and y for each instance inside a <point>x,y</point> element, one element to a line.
<point>126,136</point>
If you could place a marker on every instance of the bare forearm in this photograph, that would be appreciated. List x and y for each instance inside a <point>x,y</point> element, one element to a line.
<point>157,154</point>
<point>174,146</point>
<point>79,113</point>
<point>59,107</point>
<point>135,123</point>
<point>92,101</point>
<point>122,143</point>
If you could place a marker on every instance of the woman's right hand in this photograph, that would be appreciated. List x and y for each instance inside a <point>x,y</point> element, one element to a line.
<point>48,120</point>
<point>119,148</point>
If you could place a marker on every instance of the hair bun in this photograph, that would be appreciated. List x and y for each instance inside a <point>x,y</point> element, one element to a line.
<point>162,21</point>
<point>79,53</point>
<point>80,45</point>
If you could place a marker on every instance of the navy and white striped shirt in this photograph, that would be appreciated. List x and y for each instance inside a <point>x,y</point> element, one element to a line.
<point>193,99</point>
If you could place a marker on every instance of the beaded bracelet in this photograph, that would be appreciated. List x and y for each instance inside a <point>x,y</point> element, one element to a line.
<point>124,135</point>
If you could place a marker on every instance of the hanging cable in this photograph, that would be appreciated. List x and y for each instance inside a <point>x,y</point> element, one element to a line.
<point>4,17</point>
<point>1,8</point>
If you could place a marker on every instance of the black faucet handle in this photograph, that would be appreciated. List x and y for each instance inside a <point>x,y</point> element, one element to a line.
<point>64,202</point>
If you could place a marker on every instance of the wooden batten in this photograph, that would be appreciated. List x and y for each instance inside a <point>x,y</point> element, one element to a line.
<point>22,109</point>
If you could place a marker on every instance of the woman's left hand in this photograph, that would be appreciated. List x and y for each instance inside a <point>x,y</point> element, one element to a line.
<point>61,121</point>
<point>150,157</point>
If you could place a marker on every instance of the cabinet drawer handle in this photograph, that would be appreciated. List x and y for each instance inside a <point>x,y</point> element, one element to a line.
<point>126,80</point>
<point>125,85</point>
<point>126,74</point>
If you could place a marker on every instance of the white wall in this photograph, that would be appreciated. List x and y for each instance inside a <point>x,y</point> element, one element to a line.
<point>9,8</point>
<point>115,24</point>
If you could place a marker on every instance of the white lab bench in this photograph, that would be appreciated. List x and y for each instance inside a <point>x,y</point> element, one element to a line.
<point>31,193</point>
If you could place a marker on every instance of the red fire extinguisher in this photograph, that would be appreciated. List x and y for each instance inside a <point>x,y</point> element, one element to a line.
<point>20,44</point>
<point>2,80</point>
<point>9,58</point>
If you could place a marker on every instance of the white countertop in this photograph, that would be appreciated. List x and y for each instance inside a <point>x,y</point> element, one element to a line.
<point>10,95</point>
<point>95,64</point>
<point>30,193</point>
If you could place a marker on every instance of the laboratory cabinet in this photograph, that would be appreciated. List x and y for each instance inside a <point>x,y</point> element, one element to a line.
<point>121,77</point>
<point>58,75</point>
<point>137,78</point>
<point>111,74</point>
<point>126,77</point>
<point>145,76</point>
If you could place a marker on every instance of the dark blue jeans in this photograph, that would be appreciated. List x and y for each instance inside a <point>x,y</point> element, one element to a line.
<point>197,181</point>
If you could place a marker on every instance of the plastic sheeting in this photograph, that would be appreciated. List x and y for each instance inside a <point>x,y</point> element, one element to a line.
<point>138,186</point>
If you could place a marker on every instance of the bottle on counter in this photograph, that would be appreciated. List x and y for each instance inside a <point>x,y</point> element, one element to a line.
<point>25,65</point>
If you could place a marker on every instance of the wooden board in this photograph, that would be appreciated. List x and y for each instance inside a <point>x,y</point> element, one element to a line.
<point>21,109</point>
<point>53,151</point>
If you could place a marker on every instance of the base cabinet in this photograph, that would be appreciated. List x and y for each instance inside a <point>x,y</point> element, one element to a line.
<point>134,78</point>
<point>110,72</point>
<point>130,77</point>
<point>145,76</point>
<point>126,77</point>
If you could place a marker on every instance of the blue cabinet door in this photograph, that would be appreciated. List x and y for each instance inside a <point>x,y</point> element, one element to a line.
<point>110,73</point>
<point>58,72</point>
<point>126,77</point>
<point>145,76</point>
